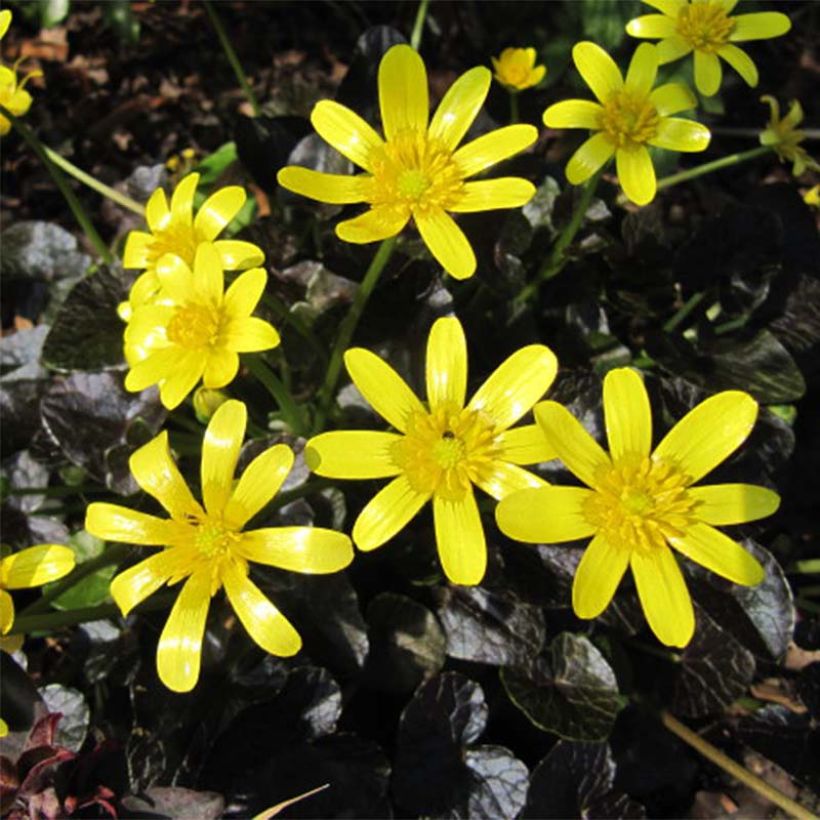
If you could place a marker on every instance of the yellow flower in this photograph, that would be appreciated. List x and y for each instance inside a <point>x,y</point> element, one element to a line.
<point>783,137</point>
<point>5,22</point>
<point>174,229</point>
<point>516,69</point>
<point>812,197</point>
<point>640,504</point>
<point>31,567</point>
<point>13,96</point>
<point>705,27</point>
<point>193,328</point>
<point>443,448</point>
<point>629,117</point>
<point>416,170</point>
<point>205,544</point>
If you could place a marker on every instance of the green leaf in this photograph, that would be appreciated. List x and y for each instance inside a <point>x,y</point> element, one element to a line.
<point>93,589</point>
<point>215,164</point>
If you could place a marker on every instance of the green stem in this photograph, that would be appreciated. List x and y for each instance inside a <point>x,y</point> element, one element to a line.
<point>513,108</point>
<point>232,58</point>
<point>734,769</point>
<point>708,167</point>
<point>348,326</point>
<point>288,317</point>
<point>808,567</point>
<point>418,25</point>
<point>310,487</point>
<point>273,384</point>
<point>691,303</point>
<point>60,181</point>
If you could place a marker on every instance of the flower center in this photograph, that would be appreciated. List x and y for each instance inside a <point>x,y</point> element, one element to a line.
<point>445,451</point>
<point>180,240</point>
<point>629,120</point>
<point>640,503</point>
<point>193,327</point>
<point>705,26</point>
<point>214,541</point>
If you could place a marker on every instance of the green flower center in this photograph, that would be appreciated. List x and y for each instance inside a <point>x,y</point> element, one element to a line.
<point>193,327</point>
<point>213,540</point>
<point>705,26</point>
<point>629,120</point>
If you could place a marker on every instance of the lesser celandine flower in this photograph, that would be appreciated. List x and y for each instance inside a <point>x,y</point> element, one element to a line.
<point>642,502</point>
<point>783,137</point>
<point>516,68</point>
<point>442,448</point>
<point>193,328</point>
<point>205,545</point>
<point>629,117</point>
<point>13,95</point>
<point>707,28</point>
<point>416,170</point>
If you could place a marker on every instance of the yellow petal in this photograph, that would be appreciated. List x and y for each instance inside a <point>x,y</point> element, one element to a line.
<point>717,552</point>
<point>491,194</point>
<point>733,503</point>
<point>446,242</point>
<point>175,278</point>
<point>459,107</point>
<point>136,250</point>
<point>672,98</point>
<point>218,211</point>
<point>155,471</point>
<point>708,73</point>
<point>337,189</point>
<point>157,214</point>
<point>259,483</point>
<point>244,293</point>
<point>268,627</point>
<point>627,414</point>
<point>598,70</point>
<point>636,174</point>
<point>153,369</point>
<point>403,97</point>
<point>386,391</point>
<point>677,134</point>
<point>664,596</point>
<point>347,132</point>
<point>5,22</point>
<point>387,513</point>
<point>709,433</point>
<point>669,7</point>
<point>6,613</point>
<point>488,149</point>
<point>516,385</point>
<point>209,280</point>
<point>759,26</point>
<point>137,583</point>
<point>524,445</point>
<point>35,566</point>
<point>220,453</point>
<point>353,454</point>
<point>643,68</point>
<point>180,644</point>
<point>115,523</point>
<point>238,255</point>
<point>462,548</point>
<point>178,384</point>
<point>651,26</point>
<point>374,225</point>
<point>182,200</point>
<point>741,62</point>
<point>574,114</point>
<point>589,158</point>
<point>545,515</point>
<point>537,75</point>
<point>446,364</point>
<point>672,48</point>
<point>600,571</point>
<point>500,479</point>
<point>221,368</point>
<point>249,335</point>
<point>574,446</point>
<point>310,550</point>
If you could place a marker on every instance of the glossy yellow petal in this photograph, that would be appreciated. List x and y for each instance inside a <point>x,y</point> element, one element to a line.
<point>153,369</point>
<point>447,242</point>
<point>209,279</point>
<point>244,293</point>
<point>491,194</point>
<point>672,48</point>
<point>545,515</point>
<point>132,587</point>
<point>676,134</point>
<point>238,255</point>
<point>537,75</point>
<point>268,627</point>
<point>5,22</point>
<point>627,414</point>
<point>157,214</point>
<point>652,26</point>
<point>741,62</point>
<point>709,433</point>
<point>589,158</point>
<point>156,473</point>
<point>220,453</point>
<point>178,384</point>
<point>386,391</point>
<point>574,114</point>
<point>636,174</point>
<point>337,189</point>
<point>717,552</point>
<point>175,277</point>
<point>598,69</point>
<point>35,566</point>
<point>462,548</point>
<point>459,107</point>
<point>600,571</point>
<point>180,644</point>
<point>259,483</point>
<point>663,595</point>
<point>489,149</point>
<point>6,613</point>
<point>760,25</point>
<point>250,335</point>
<point>374,225</point>
<point>353,454</point>
<point>500,479</point>
<point>403,99</point>
<point>524,445</point>
<point>516,385</point>
<point>347,132</point>
<point>137,246</point>
<point>708,73</point>
<point>669,7</point>
<point>387,513</point>
<point>182,200</point>
<point>218,211</point>
<point>733,503</point>
<point>672,98</point>
<point>446,364</point>
<point>115,523</point>
<point>581,454</point>
<point>643,69</point>
<point>310,550</point>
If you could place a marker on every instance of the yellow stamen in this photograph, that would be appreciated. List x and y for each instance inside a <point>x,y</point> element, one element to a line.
<point>705,26</point>
<point>194,327</point>
<point>629,120</point>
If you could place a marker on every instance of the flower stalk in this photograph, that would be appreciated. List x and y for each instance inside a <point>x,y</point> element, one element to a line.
<point>281,395</point>
<point>418,25</point>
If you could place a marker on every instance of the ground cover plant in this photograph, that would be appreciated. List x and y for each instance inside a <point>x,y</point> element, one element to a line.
<point>409,409</point>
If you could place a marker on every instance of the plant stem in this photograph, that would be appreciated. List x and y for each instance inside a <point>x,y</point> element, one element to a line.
<point>288,317</point>
<point>348,326</point>
<point>691,303</point>
<point>273,384</point>
<point>715,165</point>
<point>60,181</point>
<point>418,25</point>
<point>232,58</point>
<point>808,567</point>
<point>513,108</point>
<point>733,768</point>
